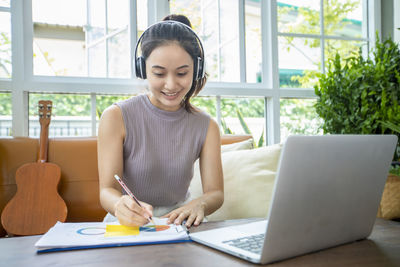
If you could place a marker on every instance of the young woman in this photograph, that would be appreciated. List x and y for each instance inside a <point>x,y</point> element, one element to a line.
<point>152,140</point>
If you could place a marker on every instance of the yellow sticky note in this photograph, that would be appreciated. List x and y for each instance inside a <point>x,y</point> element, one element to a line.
<point>120,230</point>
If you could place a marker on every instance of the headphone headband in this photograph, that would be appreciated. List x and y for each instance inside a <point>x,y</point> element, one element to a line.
<point>198,68</point>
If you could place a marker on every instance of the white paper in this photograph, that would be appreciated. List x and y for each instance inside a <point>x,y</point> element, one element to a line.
<point>64,235</point>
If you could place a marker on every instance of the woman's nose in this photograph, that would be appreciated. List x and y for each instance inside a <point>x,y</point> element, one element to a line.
<point>171,82</point>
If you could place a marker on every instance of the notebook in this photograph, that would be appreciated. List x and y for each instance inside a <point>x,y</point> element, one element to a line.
<point>327,192</point>
<point>84,235</point>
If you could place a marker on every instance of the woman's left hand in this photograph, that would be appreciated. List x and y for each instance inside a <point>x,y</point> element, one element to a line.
<point>193,212</point>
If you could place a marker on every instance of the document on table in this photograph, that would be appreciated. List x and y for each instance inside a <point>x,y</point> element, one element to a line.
<point>71,236</point>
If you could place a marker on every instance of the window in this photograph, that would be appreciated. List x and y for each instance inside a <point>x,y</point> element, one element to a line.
<point>304,31</point>
<point>5,40</point>
<point>244,116</point>
<point>298,117</point>
<point>218,25</point>
<point>5,114</point>
<point>94,32</point>
<point>70,115</point>
<point>262,58</point>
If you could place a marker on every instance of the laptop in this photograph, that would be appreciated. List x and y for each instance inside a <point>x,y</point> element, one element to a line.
<point>326,193</point>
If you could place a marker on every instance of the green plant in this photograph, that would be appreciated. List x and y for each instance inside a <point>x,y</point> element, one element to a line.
<point>360,95</point>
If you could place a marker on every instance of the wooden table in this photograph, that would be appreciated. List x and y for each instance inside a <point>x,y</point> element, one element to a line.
<point>382,248</point>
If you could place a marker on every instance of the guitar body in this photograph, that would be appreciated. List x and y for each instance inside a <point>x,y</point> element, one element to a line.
<point>36,206</point>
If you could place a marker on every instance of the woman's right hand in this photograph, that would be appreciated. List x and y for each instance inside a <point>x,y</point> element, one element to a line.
<point>129,213</point>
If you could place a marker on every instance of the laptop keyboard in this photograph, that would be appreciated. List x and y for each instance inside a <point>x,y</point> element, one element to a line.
<point>252,243</point>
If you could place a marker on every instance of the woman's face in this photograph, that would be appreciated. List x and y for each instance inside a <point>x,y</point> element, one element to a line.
<point>169,70</point>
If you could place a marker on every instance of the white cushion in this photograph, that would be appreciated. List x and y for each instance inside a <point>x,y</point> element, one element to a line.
<point>248,182</point>
<point>246,144</point>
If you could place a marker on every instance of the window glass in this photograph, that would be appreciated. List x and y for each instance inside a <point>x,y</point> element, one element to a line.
<point>96,22</point>
<point>206,103</point>
<point>298,116</point>
<point>5,45</point>
<point>104,101</point>
<point>299,16</point>
<point>5,3</point>
<point>343,18</point>
<point>229,41</point>
<point>299,58</point>
<point>216,22</point>
<point>253,41</point>
<point>142,20</point>
<point>344,48</point>
<point>97,64</point>
<point>211,41</point>
<point>70,115</point>
<point>118,51</point>
<point>5,114</point>
<point>94,32</point>
<point>244,116</point>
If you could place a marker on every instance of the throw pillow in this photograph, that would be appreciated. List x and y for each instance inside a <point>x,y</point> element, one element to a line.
<point>249,177</point>
<point>246,144</point>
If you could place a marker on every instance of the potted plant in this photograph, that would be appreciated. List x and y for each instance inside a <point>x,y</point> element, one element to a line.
<point>361,95</point>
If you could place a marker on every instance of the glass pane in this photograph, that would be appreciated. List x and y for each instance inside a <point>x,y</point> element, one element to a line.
<point>299,61</point>
<point>216,22</point>
<point>209,35</point>
<point>298,116</point>
<point>244,116</point>
<point>61,12</point>
<point>299,16</point>
<point>207,104</point>
<point>118,59</point>
<point>50,58</point>
<point>70,115</point>
<point>58,26</point>
<point>191,9</point>
<point>97,60</point>
<point>253,41</point>
<point>82,28</point>
<point>344,48</point>
<point>347,22</point>
<point>5,3</point>
<point>142,24</point>
<point>96,27</point>
<point>118,15</point>
<point>5,45</point>
<point>229,43</point>
<point>5,114</point>
<point>104,101</point>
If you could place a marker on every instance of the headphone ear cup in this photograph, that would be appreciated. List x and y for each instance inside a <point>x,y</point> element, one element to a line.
<point>140,68</point>
<point>199,69</point>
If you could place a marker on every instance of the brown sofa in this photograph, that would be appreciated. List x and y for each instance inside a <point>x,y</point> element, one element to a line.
<point>77,158</point>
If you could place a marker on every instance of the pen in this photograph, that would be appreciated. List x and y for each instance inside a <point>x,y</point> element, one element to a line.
<point>130,193</point>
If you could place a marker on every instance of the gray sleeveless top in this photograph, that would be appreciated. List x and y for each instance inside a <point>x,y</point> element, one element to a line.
<point>160,148</point>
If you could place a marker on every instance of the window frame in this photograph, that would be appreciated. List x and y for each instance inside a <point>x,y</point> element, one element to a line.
<point>23,81</point>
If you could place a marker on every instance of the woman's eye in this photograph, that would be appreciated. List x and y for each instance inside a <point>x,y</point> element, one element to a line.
<point>182,73</point>
<point>158,74</point>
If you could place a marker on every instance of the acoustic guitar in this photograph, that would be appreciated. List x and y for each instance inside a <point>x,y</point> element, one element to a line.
<point>36,206</point>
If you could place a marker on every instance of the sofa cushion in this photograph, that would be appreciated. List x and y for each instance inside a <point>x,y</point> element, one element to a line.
<point>246,144</point>
<point>249,177</point>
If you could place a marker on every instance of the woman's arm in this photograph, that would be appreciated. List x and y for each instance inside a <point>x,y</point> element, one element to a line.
<point>212,182</point>
<point>110,162</point>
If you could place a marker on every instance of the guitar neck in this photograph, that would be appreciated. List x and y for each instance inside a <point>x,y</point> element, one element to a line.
<point>45,108</point>
<point>44,140</point>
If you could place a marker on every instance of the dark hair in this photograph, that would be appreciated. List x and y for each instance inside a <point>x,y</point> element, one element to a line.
<point>177,17</point>
<point>166,33</point>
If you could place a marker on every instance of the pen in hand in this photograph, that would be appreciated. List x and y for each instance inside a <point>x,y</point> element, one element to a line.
<point>130,193</point>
